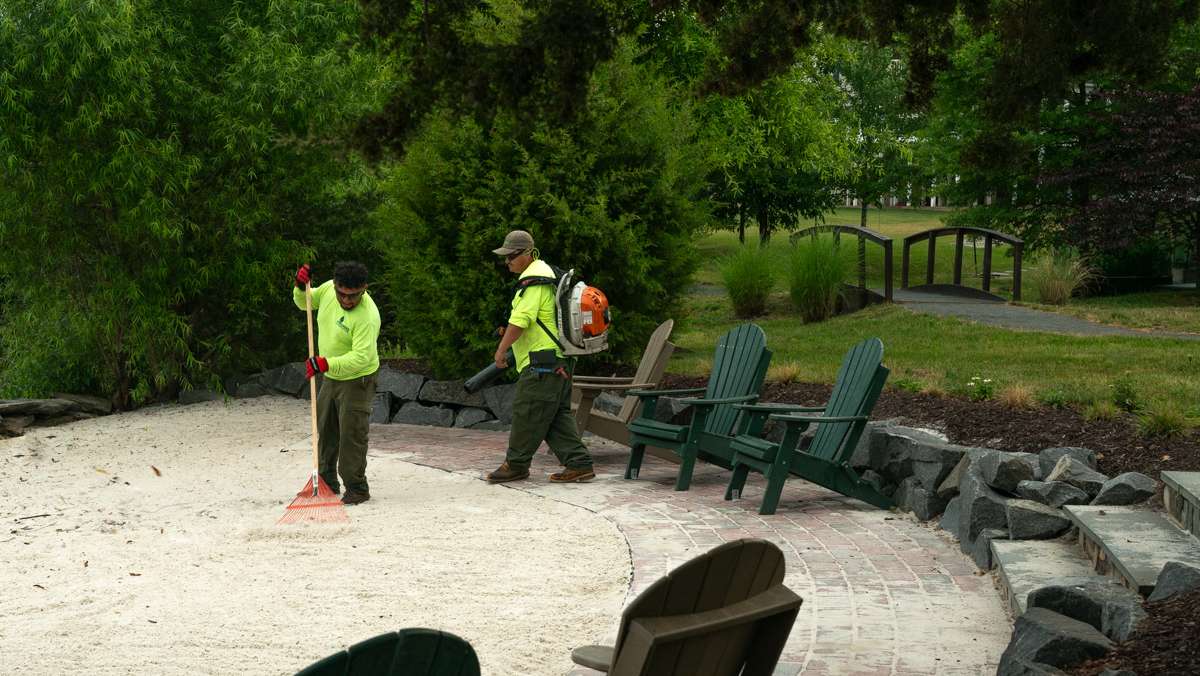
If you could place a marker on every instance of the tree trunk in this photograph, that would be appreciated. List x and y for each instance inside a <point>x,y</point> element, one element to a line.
<point>764,227</point>
<point>862,221</point>
<point>742,223</point>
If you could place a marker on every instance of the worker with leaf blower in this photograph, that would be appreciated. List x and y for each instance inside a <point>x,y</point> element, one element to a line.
<point>348,356</point>
<point>542,401</point>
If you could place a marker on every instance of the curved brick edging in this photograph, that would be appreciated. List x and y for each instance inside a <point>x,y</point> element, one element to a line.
<point>883,593</point>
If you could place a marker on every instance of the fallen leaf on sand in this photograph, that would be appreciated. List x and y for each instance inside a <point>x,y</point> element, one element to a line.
<point>156,472</point>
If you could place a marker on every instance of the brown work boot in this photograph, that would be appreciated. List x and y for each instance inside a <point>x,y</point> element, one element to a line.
<point>570,475</point>
<point>505,473</point>
<point>354,497</point>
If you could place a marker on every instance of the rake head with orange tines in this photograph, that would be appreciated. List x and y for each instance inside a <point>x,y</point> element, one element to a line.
<point>321,505</point>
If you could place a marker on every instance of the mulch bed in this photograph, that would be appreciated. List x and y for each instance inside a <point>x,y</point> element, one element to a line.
<point>1165,643</point>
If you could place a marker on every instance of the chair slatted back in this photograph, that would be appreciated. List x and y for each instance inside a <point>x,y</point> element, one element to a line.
<point>859,382</point>
<point>652,366</point>
<point>728,574</point>
<point>739,367</point>
<point>409,652</point>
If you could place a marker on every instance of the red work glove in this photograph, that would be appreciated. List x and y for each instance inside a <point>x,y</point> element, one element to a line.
<point>302,277</point>
<point>316,365</point>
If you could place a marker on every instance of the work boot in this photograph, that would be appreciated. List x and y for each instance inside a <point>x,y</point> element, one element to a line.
<point>572,475</point>
<point>505,473</point>
<point>354,497</point>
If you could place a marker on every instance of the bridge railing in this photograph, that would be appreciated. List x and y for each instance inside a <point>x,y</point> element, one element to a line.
<point>989,238</point>
<point>863,235</point>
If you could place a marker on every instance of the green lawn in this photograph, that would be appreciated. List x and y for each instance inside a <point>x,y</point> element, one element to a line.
<point>1165,310</point>
<point>942,354</point>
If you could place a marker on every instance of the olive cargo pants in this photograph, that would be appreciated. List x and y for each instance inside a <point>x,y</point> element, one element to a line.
<point>343,420</point>
<point>542,411</point>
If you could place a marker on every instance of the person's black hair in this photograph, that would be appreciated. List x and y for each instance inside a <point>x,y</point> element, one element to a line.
<point>350,274</point>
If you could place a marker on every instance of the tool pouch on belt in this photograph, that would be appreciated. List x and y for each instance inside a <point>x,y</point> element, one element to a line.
<point>544,361</point>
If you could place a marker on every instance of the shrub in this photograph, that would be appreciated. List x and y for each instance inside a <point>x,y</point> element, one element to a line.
<point>1016,396</point>
<point>980,388</point>
<point>816,272</point>
<point>1057,274</point>
<point>1124,395</point>
<point>1101,410</point>
<point>906,384</point>
<point>615,196</point>
<point>1162,422</point>
<point>1054,398</point>
<point>748,281</point>
<point>790,372</point>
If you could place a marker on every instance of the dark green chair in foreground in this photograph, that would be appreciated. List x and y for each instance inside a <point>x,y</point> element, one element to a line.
<point>408,652</point>
<point>739,367</point>
<point>840,423</point>
<point>724,613</point>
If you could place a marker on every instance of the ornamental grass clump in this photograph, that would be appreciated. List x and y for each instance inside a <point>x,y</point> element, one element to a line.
<point>1058,274</point>
<point>817,270</point>
<point>748,280</point>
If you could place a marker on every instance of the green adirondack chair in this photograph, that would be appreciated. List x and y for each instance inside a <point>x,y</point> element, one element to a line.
<point>840,423</point>
<point>739,366</point>
<point>408,652</point>
<point>724,613</point>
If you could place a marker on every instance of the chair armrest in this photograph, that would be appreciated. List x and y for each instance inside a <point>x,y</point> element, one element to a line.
<point>671,628</point>
<point>806,419</point>
<point>601,387</point>
<point>716,402</point>
<point>665,393</point>
<point>776,408</point>
<point>598,657</point>
<point>616,380</point>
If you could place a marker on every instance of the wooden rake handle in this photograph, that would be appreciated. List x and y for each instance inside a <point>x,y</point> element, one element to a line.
<point>312,384</point>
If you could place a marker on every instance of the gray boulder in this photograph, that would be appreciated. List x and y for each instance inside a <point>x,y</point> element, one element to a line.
<point>981,508</point>
<point>469,417</point>
<point>1052,493</point>
<point>413,413</point>
<point>38,408</point>
<point>1049,457</point>
<point>891,447</point>
<point>381,407</point>
<point>609,403</point>
<point>932,463</point>
<point>1102,602</point>
<point>87,402</point>
<point>251,389</point>
<point>861,457</point>
<point>16,424</point>
<point>200,395</point>
<point>1029,520</point>
<point>449,392</point>
<point>949,485</point>
<point>981,548</point>
<point>911,496</point>
<point>1174,579</point>
<point>402,386</point>
<point>1078,474</point>
<point>877,482</point>
<point>951,516</point>
<point>1129,488</point>
<point>289,379</point>
<point>1003,471</point>
<point>1045,637</point>
<point>499,400</point>
<point>667,409</point>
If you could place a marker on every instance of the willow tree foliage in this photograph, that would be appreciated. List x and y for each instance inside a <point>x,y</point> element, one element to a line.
<point>166,164</point>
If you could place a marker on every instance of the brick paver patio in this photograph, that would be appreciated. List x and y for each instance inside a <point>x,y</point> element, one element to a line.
<point>883,593</point>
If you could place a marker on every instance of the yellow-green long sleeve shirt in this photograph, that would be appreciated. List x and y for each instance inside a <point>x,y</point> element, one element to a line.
<point>537,302</point>
<point>348,339</point>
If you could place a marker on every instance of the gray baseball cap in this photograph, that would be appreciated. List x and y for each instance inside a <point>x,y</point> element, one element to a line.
<point>517,241</point>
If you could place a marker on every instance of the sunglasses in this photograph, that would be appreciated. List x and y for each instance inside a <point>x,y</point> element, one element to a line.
<point>353,295</point>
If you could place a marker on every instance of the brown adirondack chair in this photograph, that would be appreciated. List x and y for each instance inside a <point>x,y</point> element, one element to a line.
<point>839,423</point>
<point>724,613</point>
<point>649,372</point>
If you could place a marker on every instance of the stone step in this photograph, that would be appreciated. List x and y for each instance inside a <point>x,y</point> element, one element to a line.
<point>1131,544</point>
<point>1181,495</point>
<point>1025,565</point>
